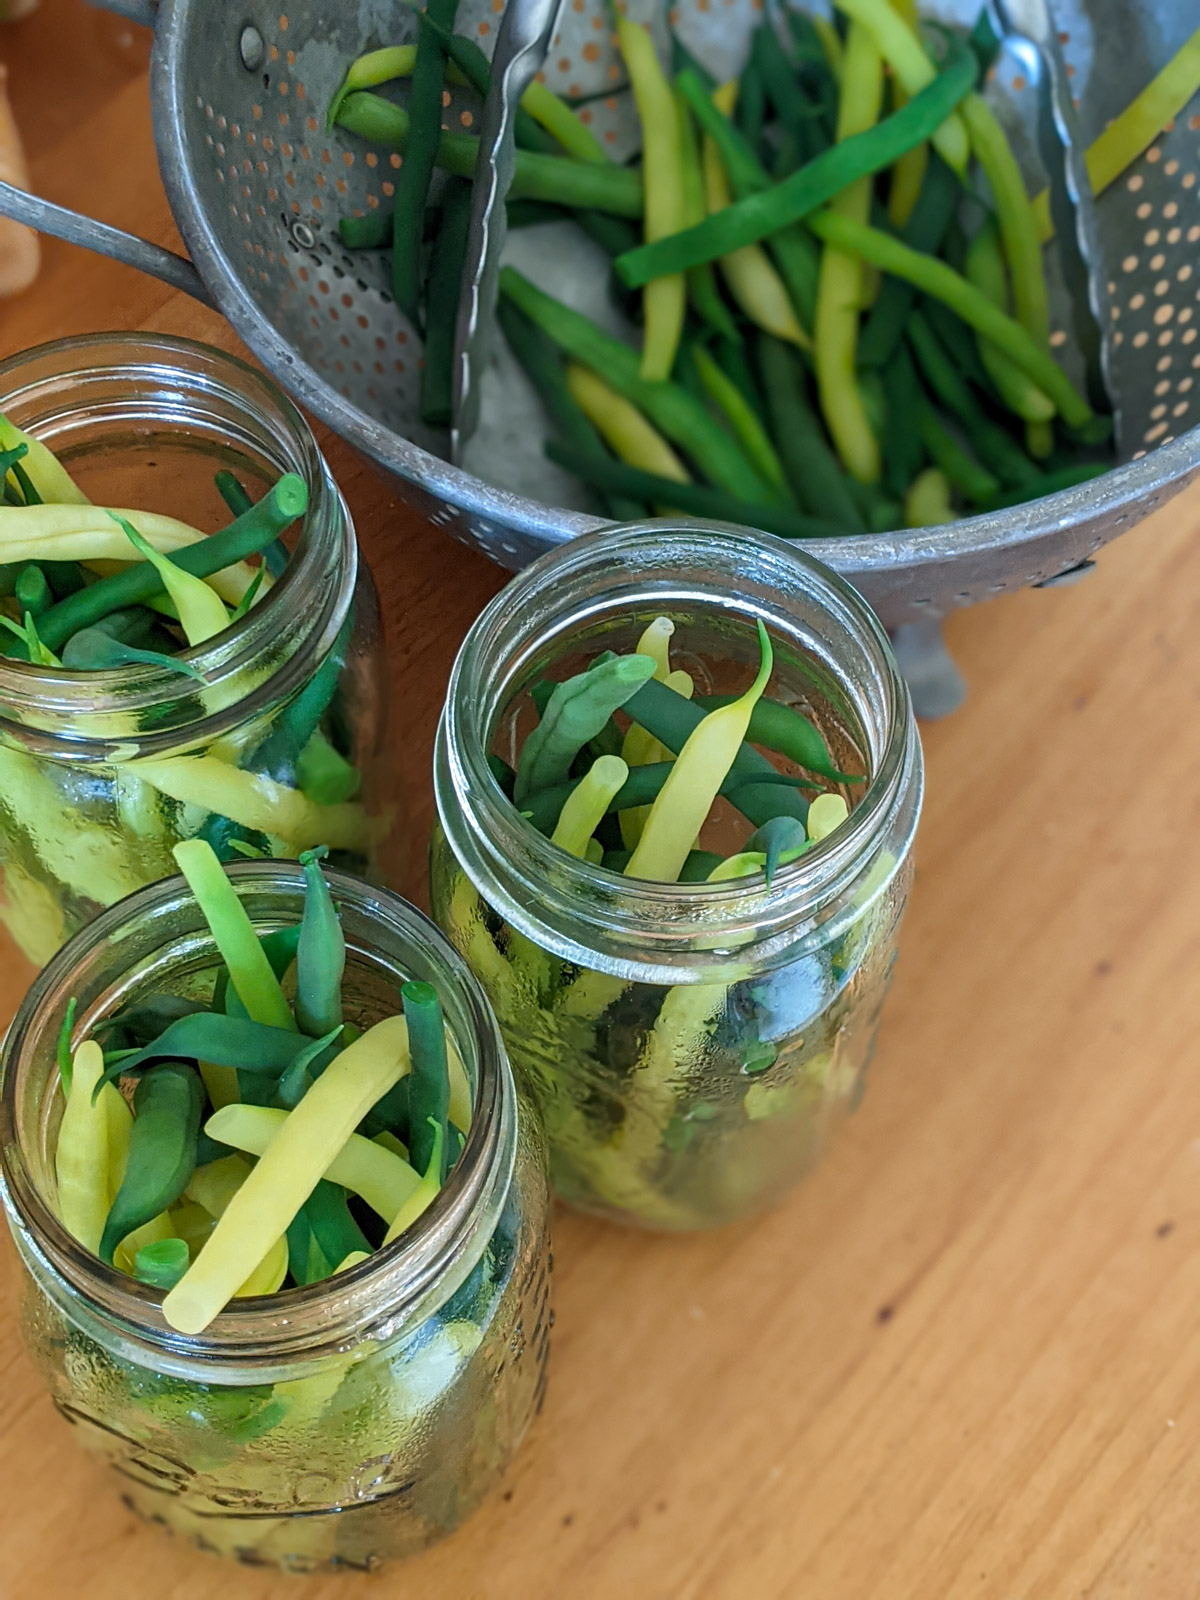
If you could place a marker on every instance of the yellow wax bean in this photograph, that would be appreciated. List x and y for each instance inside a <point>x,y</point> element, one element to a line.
<point>120,1122</point>
<point>221,1083</point>
<point>831,43</point>
<point>352,1260</point>
<point>202,613</point>
<point>45,471</point>
<point>593,851</point>
<point>389,1141</point>
<point>81,1156</point>
<point>158,1228</point>
<point>383,1179</point>
<point>840,284</point>
<point>587,804</point>
<point>640,749</point>
<point>901,48</point>
<point>459,1111</point>
<point>686,1019</point>
<point>827,812</point>
<point>655,642</point>
<point>192,1224</point>
<point>214,1185</point>
<point>422,1196</point>
<point>927,502</point>
<point>753,281</point>
<point>268,1276</point>
<point>685,799</point>
<point>744,865</point>
<point>294,1163</point>
<point>664,301</point>
<point>621,425</point>
<point>250,973</point>
<point>258,802</point>
<point>87,533</point>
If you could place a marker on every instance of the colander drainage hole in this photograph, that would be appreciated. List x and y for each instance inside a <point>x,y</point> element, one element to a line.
<point>303,235</point>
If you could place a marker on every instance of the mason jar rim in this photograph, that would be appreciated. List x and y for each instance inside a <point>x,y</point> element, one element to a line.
<point>638,930</point>
<point>374,1299</point>
<point>48,710</point>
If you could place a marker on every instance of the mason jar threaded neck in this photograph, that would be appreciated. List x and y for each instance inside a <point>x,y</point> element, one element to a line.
<point>668,933</point>
<point>154,941</point>
<point>84,396</point>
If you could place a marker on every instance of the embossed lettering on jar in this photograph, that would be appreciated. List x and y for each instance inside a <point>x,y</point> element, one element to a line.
<point>336,1426</point>
<point>691,1047</point>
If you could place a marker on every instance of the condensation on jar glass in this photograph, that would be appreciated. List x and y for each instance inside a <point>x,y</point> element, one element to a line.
<point>340,1425</point>
<point>280,747</point>
<point>691,1047</point>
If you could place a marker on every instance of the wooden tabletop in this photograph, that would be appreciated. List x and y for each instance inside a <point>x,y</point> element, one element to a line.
<point>964,1359</point>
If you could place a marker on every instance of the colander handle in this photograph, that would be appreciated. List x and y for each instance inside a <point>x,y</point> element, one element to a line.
<point>75,228</point>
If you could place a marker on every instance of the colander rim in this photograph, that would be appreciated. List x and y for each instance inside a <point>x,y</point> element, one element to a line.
<point>1119,489</point>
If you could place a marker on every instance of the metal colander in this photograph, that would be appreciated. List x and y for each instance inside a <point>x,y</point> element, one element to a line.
<point>257,186</point>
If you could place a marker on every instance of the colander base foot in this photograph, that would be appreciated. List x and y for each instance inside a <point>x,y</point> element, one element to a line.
<point>935,683</point>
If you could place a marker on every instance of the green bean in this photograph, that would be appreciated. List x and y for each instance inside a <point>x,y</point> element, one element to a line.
<point>28,492</point>
<point>962,346</point>
<point>162,1150</point>
<point>441,303</point>
<point>429,1080</point>
<point>296,723</point>
<point>788,732</point>
<point>328,1216</point>
<point>903,451</point>
<point>958,465</point>
<point>324,774</point>
<point>702,284</point>
<point>758,215</point>
<point>94,650</point>
<point>733,361</point>
<point>994,447</point>
<point>816,479</point>
<point>741,417</point>
<point>796,256</point>
<point>275,555</point>
<point>543,808</point>
<point>251,1047</point>
<point>924,230</point>
<point>695,499</point>
<point>671,718</point>
<point>300,1073</point>
<point>785,93</point>
<point>299,1239</point>
<point>162,1263</point>
<point>543,366</point>
<point>420,157</point>
<point>576,711</point>
<point>321,953</point>
<point>245,536</point>
<point>985,270</point>
<point>64,577</point>
<point>752,103</point>
<point>1049,483</point>
<point>62,1051</point>
<point>935,278</point>
<point>147,1017</point>
<point>535,176</point>
<point>675,412</point>
<point>32,592</point>
<point>477,70</point>
<point>780,836</point>
<point>1015,216</point>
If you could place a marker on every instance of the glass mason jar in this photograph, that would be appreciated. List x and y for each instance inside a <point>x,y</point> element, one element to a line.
<point>101,773</point>
<point>339,1425</point>
<point>691,1046</point>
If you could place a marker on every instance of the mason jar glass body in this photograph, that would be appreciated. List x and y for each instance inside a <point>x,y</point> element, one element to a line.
<point>338,1425</point>
<point>691,1047</point>
<point>101,773</point>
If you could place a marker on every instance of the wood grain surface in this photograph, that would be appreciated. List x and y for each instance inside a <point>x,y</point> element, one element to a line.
<point>963,1360</point>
